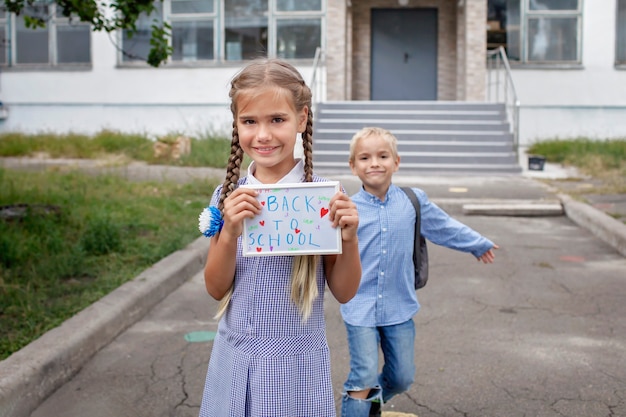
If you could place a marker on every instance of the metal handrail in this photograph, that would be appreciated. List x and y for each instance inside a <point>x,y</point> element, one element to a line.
<point>497,63</point>
<point>317,67</point>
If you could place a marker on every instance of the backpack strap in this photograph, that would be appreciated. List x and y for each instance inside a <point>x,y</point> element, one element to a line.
<point>418,220</point>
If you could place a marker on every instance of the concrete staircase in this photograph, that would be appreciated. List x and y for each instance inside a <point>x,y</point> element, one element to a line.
<point>433,136</point>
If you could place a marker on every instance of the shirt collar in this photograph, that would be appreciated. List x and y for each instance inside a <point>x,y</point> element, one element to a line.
<point>296,175</point>
<point>374,198</point>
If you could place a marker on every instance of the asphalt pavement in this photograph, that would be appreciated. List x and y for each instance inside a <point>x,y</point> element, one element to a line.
<point>538,333</point>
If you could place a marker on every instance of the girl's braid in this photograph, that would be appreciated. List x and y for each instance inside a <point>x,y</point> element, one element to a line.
<point>233,168</point>
<point>307,144</point>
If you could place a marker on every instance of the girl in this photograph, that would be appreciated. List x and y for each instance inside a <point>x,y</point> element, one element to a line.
<point>270,356</point>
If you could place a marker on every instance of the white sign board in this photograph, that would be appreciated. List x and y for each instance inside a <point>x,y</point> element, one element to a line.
<point>295,220</point>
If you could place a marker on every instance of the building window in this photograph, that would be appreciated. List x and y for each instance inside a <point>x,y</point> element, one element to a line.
<point>136,45</point>
<point>298,5</point>
<point>298,35</point>
<point>193,30</point>
<point>4,42</point>
<point>620,52</point>
<point>297,38</point>
<point>32,45</point>
<point>246,26</point>
<point>192,41</point>
<point>62,42</point>
<point>536,31</point>
<point>233,30</point>
<point>73,41</point>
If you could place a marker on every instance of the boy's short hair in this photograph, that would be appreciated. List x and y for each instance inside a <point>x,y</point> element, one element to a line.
<point>366,132</point>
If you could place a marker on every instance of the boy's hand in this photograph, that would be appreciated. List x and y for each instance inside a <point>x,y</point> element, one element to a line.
<point>241,204</point>
<point>489,256</point>
<point>343,214</point>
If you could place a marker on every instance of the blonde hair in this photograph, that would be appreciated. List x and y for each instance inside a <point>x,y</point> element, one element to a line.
<point>278,74</point>
<point>367,132</point>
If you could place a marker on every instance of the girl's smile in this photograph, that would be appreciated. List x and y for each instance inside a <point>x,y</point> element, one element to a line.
<point>266,150</point>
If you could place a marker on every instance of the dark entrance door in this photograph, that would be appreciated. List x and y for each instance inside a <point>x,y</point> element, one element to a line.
<point>404,54</point>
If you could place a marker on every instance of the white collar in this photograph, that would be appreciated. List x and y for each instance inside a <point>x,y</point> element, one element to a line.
<point>296,175</point>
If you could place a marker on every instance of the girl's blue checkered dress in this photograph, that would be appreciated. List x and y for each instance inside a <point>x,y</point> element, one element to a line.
<point>265,361</point>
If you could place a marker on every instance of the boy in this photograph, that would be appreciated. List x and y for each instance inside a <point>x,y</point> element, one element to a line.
<point>382,310</point>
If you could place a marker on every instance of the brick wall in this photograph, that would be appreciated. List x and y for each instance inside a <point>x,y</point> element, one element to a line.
<point>338,50</point>
<point>475,44</point>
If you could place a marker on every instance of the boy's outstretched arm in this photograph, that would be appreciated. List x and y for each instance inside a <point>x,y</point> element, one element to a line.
<point>343,271</point>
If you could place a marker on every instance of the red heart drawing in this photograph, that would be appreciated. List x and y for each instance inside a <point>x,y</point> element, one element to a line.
<point>262,222</point>
<point>297,231</point>
<point>262,203</point>
<point>259,249</point>
<point>323,212</point>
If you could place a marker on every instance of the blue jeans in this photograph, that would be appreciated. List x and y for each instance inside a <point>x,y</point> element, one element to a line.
<point>397,343</point>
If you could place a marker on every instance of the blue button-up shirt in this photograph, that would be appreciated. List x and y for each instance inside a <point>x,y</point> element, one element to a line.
<point>386,234</point>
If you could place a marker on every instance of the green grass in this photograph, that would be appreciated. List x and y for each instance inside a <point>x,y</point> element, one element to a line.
<point>78,237</point>
<point>75,145</point>
<point>583,153</point>
<point>604,160</point>
<point>206,151</point>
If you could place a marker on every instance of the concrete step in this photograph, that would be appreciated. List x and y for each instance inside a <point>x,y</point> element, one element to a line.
<point>410,147</point>
<point>415,136</point>
<point>393,125</point>
<point>439,106</point>
<point>478,157</point>
<point>409,168</point>
<point>346,113</point>
<point>413,116</point>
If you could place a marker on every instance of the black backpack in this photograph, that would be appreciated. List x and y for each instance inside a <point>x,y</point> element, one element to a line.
<point>420,250</point>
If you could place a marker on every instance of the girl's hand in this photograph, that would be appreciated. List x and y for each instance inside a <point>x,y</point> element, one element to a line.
<point>343,214</point>
<point>241,204</point>
<point>489,256</point>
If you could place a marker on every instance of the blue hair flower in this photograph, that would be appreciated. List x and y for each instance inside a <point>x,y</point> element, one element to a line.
<point>210,221</point>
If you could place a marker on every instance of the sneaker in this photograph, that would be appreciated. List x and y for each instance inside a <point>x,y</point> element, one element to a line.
<point>375,409</point>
